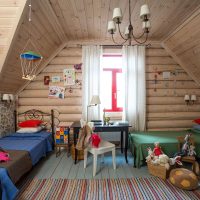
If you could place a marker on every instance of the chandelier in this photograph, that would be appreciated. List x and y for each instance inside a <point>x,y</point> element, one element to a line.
<point>128,34</point>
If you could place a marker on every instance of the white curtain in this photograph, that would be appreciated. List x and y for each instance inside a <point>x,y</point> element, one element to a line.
<point>91,80</point>
<point>134,109</point>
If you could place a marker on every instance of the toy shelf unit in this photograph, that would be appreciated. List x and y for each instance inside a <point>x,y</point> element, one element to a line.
<point>62,139</point>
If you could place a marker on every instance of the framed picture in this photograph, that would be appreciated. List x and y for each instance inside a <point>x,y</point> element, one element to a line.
<point>56,92</point>
<point>69,77</point>
<point>55,79</point>
<point>46,80</point>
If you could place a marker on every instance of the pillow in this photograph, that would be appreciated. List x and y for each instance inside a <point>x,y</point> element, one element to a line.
<point>30,123</point>
<point>30,129</point>
<point>196,127</point>
<point>197,121</point>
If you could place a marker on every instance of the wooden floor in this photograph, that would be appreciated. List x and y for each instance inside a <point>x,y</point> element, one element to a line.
<point>64,167</point>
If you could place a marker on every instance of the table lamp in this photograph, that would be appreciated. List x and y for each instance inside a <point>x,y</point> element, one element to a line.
<point>94,101</point>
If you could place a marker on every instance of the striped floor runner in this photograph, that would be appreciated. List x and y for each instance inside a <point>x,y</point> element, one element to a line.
<point>109,189</point>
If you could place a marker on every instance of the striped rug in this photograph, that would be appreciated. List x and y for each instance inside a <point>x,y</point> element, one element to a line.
<point>109,189</point>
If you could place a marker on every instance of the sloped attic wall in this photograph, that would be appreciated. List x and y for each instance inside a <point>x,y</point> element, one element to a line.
<point>46,35</point>
<point>166,109</point>
<point>184,45</point>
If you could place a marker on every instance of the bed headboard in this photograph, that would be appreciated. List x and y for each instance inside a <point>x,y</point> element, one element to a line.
<point>36,114</point>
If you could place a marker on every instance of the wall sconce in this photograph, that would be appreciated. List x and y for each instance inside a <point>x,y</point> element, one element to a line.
<point>193,98</point>
<point>8,97</point>
<point>189,100</point>
<point>95,101</point>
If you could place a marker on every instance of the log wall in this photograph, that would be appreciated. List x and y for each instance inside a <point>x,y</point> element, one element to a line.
<point>35,95</point>
<point>166,109</point>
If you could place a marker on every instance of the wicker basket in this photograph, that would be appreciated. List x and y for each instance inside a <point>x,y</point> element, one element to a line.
<point>80,153</point>
<point>158,170</point>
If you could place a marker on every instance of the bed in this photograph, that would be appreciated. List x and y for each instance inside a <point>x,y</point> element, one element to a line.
<point>140,141</point>
<point>25,150</point>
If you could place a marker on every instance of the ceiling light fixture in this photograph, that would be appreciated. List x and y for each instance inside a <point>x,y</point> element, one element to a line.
<point>128,34</point>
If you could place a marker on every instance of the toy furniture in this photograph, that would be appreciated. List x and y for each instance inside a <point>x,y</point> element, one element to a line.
<point>104,147</point>
<point>188,159</point>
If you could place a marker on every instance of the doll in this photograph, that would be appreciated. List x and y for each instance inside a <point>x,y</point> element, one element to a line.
<point>157,149</point>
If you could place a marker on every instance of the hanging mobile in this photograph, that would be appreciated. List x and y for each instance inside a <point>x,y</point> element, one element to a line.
<point>30,60</point>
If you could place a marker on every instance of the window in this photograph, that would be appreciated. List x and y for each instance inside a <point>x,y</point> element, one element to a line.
<point>112,83</point>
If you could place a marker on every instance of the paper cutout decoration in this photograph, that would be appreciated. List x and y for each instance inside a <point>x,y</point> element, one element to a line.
<point>55,79</point>
<point>46,80</point>
<point>69,77</point>
<point>62,134</point>
<point>56,92</point>
<point>78,66</point>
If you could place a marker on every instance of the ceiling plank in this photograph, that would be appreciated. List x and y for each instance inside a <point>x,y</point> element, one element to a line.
<point>51,16</point>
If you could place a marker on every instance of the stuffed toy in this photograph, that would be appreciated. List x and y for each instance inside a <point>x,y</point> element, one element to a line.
<point>4,156</point>
<point>150,154</point>
<point>157,149</point>
<point>164,161</point>
<point>191,151</point>
<point>175,160</point>
<point>95,140</point>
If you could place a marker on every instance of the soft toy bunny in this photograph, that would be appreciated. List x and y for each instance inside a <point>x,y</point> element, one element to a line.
<point>150,154</point>
<point>191,151</point>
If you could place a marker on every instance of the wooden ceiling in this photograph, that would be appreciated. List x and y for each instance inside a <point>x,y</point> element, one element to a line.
<point>56,22</point>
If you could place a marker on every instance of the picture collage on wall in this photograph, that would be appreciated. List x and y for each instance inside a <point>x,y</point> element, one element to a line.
<point>69,81</point>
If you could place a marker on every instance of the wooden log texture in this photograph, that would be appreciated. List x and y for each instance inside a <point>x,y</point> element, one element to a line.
<point>169,124</point>
<point>49,102</point>
<point>44,93</point>
<point>172,92</point>
<point>59,109</point>
<point>156,52</point>
<point>173,115</point>
<point>66,60</point>
<point>164,60</point>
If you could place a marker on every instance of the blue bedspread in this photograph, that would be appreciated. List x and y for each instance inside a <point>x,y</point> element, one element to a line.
<point>37,144</point>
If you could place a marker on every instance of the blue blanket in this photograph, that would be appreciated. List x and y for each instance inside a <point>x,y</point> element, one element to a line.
<point>37,144</point>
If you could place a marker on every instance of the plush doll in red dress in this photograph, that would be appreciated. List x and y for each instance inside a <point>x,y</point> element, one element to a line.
<point>157,149</point>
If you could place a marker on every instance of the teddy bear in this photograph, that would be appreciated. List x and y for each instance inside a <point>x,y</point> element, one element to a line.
<point>162,160</point>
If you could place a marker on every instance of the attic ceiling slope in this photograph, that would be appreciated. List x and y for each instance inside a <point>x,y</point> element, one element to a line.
<point>10,14</point>
<point>46,34</point>
<point>55,22</point>
<point>184,46</point>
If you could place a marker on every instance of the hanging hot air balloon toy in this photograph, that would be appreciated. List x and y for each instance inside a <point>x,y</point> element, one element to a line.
<point>30,60</point>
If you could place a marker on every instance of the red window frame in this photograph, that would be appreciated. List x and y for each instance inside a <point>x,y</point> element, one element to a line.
<point>114,86</point>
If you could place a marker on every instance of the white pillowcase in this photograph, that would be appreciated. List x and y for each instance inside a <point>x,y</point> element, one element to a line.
<point>30,129</point>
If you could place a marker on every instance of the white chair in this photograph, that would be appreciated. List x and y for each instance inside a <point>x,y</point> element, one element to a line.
<point>104,147</point>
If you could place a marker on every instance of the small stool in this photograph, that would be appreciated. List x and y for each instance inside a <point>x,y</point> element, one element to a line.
<point>104,147</point>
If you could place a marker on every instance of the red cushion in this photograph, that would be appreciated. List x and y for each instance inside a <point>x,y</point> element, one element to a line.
<point>197,121</point>
<point>30,123</point>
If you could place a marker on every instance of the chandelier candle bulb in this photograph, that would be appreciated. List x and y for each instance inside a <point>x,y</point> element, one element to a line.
<point>144,12</point>
<point>126,31</point>
<point>117,15</point>
<point>111,27</point>
<point>146,24</point>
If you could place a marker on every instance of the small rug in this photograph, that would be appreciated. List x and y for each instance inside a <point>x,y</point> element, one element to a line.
<point>104,189</point>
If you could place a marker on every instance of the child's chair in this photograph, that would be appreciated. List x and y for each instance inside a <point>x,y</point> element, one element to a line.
<point>104,147</point>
